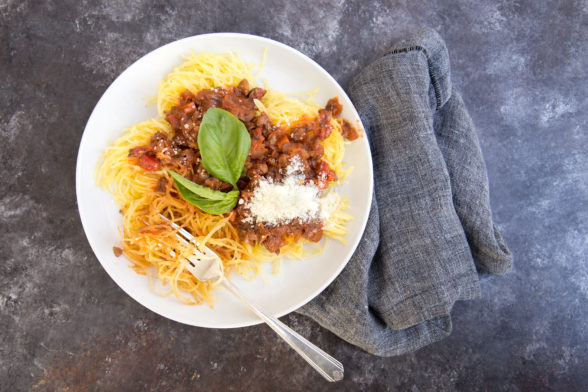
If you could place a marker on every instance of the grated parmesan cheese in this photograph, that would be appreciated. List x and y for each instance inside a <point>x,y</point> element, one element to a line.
<point>295,167</point>
<point>275,203</point>
<point>329,205</point>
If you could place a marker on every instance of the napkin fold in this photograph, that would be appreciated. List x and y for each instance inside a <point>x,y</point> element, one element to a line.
<point>430,232</point>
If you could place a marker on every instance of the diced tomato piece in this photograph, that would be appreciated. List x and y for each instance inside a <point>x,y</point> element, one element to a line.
<point>149,163</point>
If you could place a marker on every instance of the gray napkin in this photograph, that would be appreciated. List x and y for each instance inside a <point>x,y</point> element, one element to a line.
<point>430,232</point>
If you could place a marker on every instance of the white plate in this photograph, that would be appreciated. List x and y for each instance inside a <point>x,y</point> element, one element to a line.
<point>123,104</point>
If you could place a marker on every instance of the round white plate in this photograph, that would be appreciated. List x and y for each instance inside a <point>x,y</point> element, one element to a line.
<point>123,104</point>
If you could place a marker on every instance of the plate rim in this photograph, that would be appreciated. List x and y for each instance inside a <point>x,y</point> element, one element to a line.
<point>85,220</point>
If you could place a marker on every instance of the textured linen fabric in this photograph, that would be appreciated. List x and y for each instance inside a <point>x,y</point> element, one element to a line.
<point>430,232</point>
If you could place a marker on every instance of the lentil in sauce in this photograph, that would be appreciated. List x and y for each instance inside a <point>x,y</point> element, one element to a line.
<point>272,149</point>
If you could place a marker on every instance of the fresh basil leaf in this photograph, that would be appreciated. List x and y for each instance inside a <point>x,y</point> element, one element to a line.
<point>224,144</point>
<point>208,200</point>
<point>215,207</point>
<point>200,190</point>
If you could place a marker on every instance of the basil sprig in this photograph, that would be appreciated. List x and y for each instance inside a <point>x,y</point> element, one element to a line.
<point>208,200</point>
<point>224,144</point>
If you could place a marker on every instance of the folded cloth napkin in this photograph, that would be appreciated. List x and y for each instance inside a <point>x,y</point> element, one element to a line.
<point>430,232</point>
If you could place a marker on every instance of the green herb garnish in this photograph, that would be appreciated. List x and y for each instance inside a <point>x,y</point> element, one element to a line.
<point>224,144</point>
<point>208,200</point>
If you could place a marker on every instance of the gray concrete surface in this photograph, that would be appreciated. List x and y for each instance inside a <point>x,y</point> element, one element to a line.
<point>521,67</point>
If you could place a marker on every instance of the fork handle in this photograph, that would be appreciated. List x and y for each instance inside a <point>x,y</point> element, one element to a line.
<point>327,366</point>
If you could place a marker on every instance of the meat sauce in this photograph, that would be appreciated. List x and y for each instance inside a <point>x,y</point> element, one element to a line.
<point>272,149</point>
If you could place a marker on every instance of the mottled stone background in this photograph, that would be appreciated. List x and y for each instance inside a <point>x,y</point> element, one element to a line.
<point>521,66</point>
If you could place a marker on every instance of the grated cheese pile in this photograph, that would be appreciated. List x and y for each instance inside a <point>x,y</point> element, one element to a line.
<point>275,203</point>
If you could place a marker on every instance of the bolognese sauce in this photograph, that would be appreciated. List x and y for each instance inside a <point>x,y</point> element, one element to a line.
<point>273,149</point>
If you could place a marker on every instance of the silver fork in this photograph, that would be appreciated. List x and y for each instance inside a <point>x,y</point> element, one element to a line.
<point>206,265</point>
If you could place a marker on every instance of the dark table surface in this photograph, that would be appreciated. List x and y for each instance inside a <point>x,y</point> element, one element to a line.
<point>521,68</point>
